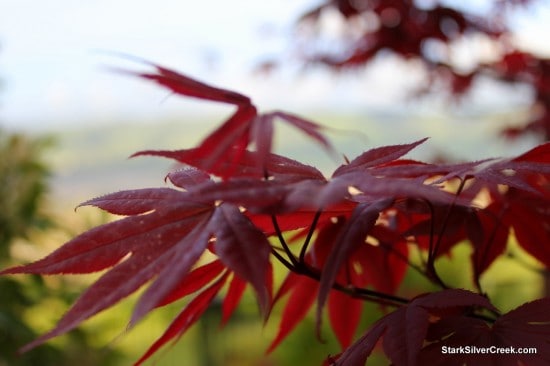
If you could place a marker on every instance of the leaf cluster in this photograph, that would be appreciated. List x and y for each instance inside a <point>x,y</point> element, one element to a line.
<point>429,35</point>
<point>234,208</point>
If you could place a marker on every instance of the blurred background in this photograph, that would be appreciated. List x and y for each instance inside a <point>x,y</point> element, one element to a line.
<point>68,122</point>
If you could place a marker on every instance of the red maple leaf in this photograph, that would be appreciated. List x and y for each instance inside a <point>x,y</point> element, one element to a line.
<point>403,331</point>
<point>506,342</point>
<point>236,200</point>
<point>245,127</point>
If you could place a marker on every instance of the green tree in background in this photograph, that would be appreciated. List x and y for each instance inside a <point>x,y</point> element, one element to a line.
<point>23,188</point>
<point>23,183</point>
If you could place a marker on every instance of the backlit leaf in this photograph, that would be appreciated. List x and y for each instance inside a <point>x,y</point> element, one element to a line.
<point>361,222</point>
<point>185,319</point>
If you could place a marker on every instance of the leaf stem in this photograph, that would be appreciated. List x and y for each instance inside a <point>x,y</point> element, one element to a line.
<point>309,236</point>
<point>301,268</point>
<point>431,272</point>
<point>283,242</point>
<point>358,292</point>
<point>283,260</point>
<point>435,250</point>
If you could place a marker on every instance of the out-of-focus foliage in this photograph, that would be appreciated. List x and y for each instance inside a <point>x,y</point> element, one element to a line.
<point>23,187</point>
<point>23,183</point>
<point>352,34</point>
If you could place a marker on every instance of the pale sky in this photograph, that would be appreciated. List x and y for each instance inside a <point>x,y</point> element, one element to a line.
<point>51,55</point>
<point>53,64</point>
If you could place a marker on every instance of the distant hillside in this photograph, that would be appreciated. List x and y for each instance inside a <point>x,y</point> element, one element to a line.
<point>90,161</point>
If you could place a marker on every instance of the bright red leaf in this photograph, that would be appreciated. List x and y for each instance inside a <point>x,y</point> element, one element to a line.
<point>344,313</point>
<point>302,295</point>
<point>186,318</point>
<point>232,298</point>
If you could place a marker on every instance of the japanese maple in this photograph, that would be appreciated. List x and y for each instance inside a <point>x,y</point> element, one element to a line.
<point>428,34</point>
<point>353,239</point>
<point>344,239</point>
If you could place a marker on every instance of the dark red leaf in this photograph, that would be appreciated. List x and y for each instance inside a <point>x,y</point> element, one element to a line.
<point>516,172</point>
<point>256,195</point>
<point>411,169</point>
<point>184,85</point>
<point>405,329</point>
<point>222,150</point>
<point>228,142</point>
<point>405,336</point>
<point>149,242</point>
<point>358,353</point>
<point>188,178</point>
<point>356,229</point>
<point>362,186</point>
<point>118,283</point>
<point>377,157</point>
<point>278,167</point>
<point>328,237</point>
<point>452,298</point>
<point>299,219</point>
<point>526,327</point>
<point>106,245</point>
<point>136,201</point>
<point>312,129</point>
<point>262,135</point>
<point>185,254</point>
<point>243,249</point>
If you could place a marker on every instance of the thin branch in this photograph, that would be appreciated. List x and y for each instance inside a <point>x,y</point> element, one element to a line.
<point>293,262</point>
<point>434,248</point>
<point>431,273</point>
<point>283,242</point>
<point>309,236</point>
<point>358,292</point>
<point>365,294</point>
<point>283,260</point>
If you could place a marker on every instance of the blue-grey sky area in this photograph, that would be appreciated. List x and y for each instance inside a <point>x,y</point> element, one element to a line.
<point>54,57</point>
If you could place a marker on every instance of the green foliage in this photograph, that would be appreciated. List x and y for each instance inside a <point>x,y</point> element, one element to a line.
<point>23,183</point>
<point>23,187</point>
